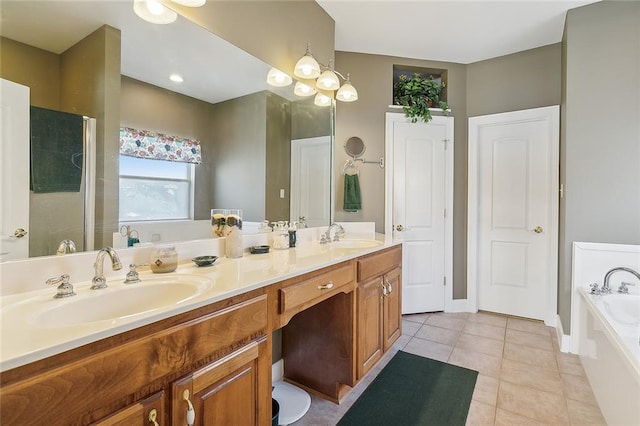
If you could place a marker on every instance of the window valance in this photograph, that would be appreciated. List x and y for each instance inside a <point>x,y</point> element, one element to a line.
<point>157,146</point>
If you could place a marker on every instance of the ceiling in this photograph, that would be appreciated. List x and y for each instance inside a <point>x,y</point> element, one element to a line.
<point>460,31</point>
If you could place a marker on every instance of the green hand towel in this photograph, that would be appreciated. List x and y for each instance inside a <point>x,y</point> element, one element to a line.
<point>352,197</point>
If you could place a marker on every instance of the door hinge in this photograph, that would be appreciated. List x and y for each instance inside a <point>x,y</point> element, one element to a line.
<point>445,143</point>
<point>444,280</point>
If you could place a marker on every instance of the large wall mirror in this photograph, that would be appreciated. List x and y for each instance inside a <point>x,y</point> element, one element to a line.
<point>257,140</point>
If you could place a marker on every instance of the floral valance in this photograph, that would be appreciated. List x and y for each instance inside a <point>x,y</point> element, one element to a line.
<point>157,146</point>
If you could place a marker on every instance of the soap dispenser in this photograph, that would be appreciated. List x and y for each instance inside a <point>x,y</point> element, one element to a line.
<point>292,234</point>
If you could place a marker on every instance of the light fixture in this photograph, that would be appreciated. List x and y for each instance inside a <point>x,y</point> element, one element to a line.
<point>347,93</point>
<point>303,90</point>
<point>322,100</point>
<point>327,79</point>
<point>307,67</point>
<point>153,11</point>
<point>190,3</point>
<point>176,78</point>
<point>277,78</point>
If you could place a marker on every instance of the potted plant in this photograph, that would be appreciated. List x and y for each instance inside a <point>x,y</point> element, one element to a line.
<point>417,94</point>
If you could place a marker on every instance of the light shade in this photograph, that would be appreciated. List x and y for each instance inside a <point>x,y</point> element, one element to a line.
<point>347,93</point>
<point>307,67</point>
<point>190,3</point>
<point>322,100</point>
<point>303,90</point>
<point>328,80</point>
<point>277,78</point>
<point>154,12</point>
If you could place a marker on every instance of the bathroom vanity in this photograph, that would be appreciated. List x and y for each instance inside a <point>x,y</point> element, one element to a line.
<point>338,314</point>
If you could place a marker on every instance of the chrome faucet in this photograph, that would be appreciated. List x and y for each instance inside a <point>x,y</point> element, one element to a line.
<point>326,237</point>
<point>66,246</point>
<point>605,286</point>
<point>99,281</point>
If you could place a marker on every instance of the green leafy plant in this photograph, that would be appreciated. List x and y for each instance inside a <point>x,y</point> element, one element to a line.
<point>417,94</point>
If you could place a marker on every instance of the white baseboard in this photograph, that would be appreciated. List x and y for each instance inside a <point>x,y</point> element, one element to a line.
<point>564,340</point>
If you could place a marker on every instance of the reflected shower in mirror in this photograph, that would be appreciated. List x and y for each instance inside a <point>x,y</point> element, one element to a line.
<point>247,129</point>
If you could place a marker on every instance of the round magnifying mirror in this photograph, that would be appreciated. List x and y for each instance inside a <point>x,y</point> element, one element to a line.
<point>354,147</point>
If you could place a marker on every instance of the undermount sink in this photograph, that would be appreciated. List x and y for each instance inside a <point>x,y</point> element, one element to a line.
<point>354,244</point>
<point>120,301</point>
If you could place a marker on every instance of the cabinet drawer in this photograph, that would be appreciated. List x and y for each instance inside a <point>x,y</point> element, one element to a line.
<point>377,264</point>
<point>315,289</point>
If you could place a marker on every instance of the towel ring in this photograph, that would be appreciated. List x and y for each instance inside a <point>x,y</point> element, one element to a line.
<point>350,165</point>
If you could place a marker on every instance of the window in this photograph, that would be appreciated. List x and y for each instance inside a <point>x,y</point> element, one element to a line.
<point>155,189</point>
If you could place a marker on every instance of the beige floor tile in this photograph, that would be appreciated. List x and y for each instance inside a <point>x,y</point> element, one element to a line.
<point>539,405</point>
<point>480,414</point>
<point>528,325</point>
<point>488,318</point>
<point>578,389</point>
<point>484,364</point>
<point>449,321</point>
<point>410,328</point>
<point>529,355</point>
<point>428,349</point>
<point>529,339</point>
<point>584,414</point>
<point>419,318</point>
<point>484,330</point>
<point>570,364</point>
<point>507,418</point>
<point>486,390</point>
<point>438,334</point>
<point>480,344</point>
<point>531,376</point>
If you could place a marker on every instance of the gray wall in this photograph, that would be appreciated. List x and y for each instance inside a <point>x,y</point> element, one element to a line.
<point>522,80</point>
<point>600,133</point>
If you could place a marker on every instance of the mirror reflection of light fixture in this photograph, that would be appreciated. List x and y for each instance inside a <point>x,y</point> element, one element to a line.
<point>303,90</point>
<point>347,93</point>
<point>327,79</point>
<point>322,100</point>
<point>277,78</point>
<point>307,66</point>
<point>153,11</point>
<point>157,13</point>
<point>176,78</point>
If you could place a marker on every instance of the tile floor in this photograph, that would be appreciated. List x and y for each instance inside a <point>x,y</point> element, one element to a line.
<point>523,377</point>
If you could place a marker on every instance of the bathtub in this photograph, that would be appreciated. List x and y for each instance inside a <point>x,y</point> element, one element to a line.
<point>605,329</point>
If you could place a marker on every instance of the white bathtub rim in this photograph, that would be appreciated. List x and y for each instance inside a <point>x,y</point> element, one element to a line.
<point>632,357</point>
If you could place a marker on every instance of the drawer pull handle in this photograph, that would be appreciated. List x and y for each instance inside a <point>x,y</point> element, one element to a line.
<point>326,286</point>
<point>153,415</point>
<point>385,290</point>
<point>388,285</point>
<point>191,414</point>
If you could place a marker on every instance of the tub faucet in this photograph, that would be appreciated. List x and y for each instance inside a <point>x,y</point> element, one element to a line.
<point>326,237</point>
<point>605,286</point>
<point>99,281</point>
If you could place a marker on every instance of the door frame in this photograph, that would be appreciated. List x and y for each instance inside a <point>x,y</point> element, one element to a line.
<point>393,117</point>
<point>552,113</point>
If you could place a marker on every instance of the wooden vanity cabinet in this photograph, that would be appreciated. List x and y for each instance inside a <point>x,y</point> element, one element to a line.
<point>379,321</point>
<point>221,353</point>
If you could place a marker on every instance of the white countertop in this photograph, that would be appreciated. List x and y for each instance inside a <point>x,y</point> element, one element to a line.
<point>24,341</point>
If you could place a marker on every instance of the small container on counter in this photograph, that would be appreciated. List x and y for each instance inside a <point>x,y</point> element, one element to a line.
<point>233,234</point>
<point>163,259</point>
<point>280,236</point>
<point>292,234</point>
<point>218,218</point>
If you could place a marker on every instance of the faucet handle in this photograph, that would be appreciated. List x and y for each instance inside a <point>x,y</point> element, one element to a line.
<point>624,289</point>
<point>65,289</point>
<point>594,288</point>
<point>132,276</point>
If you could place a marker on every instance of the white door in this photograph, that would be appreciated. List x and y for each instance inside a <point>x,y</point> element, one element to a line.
<point>14,176</point>
<point>311,180</point>
<point>420,165</point>
<point>513,210</point>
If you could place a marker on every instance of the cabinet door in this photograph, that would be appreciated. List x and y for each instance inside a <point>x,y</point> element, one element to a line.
<point>141,413</point>
<point>225,392</point>
<point>392,324</point>
<point>370,324</point>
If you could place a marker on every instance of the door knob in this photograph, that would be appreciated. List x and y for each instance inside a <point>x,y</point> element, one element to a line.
<point>19,233</point>
<point>401,228</point>
<point>537,229</point>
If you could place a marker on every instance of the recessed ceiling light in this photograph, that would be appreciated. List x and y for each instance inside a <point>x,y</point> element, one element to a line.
<point>176,78</point>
